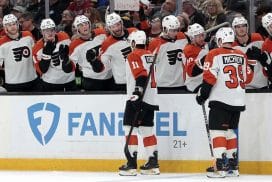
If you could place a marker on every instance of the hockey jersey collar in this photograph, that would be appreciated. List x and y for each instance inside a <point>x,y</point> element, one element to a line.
<point>124,37</point>
<point>18,38</point>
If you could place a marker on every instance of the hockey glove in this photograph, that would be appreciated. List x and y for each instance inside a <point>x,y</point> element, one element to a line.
<point>48,50</point>
<point>203,93</point>
<point>199,99</point>
<point>136,98</point>
<point>91,55</point>
<point>253,52</point>
<point>64,53</point>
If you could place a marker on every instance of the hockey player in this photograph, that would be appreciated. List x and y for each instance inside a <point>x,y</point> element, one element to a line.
<point>225,74</point>
<point>195,53</point>
<point>16,56</point>
<point>169,68</point>
<point>51,57</point>
<point>251,45</point>
<point>84,50</point>
<point>266,48</point>
<point>137,69</point>
<point>114,51</point>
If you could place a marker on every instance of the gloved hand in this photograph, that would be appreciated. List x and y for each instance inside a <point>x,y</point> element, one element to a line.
<point>64,52</point>
<point>91,55</point>
<point>199,99</point>
<point>48,49</point>
<point>253,52</point>
<point>136,98</point>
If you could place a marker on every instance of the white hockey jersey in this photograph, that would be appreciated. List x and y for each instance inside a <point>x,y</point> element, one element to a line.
<point>78,50</point>
<point>259,79</point>
<point>138,64</point>
<point>55,74</point>
<point>228,71</point>
<point>169,66</point>
<point>17,57</point>
<point>114,53</point>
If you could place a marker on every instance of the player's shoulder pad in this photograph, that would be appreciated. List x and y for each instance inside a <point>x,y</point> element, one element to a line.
<point>181,35</point>
<point>75,43</point>
<point>256,37</point>
<point>4,40</point>
<point>107,43</point>
<point>62,36</point>
<point>38,46</point>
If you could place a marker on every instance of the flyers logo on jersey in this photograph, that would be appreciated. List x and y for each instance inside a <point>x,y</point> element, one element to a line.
<point>20,52</point>
<point>126,51</point>
<point>174,56</point>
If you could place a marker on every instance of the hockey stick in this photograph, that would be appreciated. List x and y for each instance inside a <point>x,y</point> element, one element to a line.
<point>217,27</point>
<point>151,70</point>
<point>207,127</point>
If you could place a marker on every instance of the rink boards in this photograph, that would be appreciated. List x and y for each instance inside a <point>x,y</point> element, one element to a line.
<point>84,133</point>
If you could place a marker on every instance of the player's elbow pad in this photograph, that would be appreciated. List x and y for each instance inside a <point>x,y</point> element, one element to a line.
<point>44,65</point>
<point>205,90</point>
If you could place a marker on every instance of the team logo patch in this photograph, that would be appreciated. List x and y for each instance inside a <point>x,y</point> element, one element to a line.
<point>126,51</point>
<point>174,56</point>
<point>43,120</point>
<point>20,52</point>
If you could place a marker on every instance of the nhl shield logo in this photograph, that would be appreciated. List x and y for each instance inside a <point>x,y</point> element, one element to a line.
<point>43,120</point>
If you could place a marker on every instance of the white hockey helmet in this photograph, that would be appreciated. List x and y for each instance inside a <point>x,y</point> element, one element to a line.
<point>47,23</point>
<point>194,30</point>
<point>226,34</point>
<point>81,19</point>
<point>267,21</point>
<point>10,18</point>
<point>137,37</point>
<point>170,22</point>
<point>239,21</point>
<point>112,19</point>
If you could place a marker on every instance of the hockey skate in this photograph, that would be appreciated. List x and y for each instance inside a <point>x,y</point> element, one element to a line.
<point>130,168</point>
<point>152,166</point>
<point>233,168</point>
<point>219,170</point>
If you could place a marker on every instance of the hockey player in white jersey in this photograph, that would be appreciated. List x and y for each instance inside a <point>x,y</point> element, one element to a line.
<point>16,57</point>
<point>51,57</point>
<point>251,45</point>
<point>138,66</point>
<point>195,53</point>
<point>114,50</point>
<point>170,73</point>
<point>226,72</point>
<point>84,52</point>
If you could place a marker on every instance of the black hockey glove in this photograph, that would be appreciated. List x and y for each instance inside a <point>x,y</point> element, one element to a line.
<point>136,98</point>
<point>64,53</point>
<point>91,55</point>
<point>96,64</point>
<point>256,54</point>
<point>48,50</point>
<point>203,93</point>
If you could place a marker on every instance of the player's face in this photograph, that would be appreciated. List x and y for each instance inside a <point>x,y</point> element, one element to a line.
<point>199,39</point>
<point>269,28</point>
<point>12,28</point>
<point>117,29</point>
<point>172,33</point>
<point>241,30</point>
<point>49,34</point>
<point>84,28</point>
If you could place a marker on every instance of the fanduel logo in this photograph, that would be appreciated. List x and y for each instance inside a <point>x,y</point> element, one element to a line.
<point>43,120</point>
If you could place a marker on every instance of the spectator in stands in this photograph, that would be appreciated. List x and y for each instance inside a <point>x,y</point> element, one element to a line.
<point>56,8</point>
<point>190,7</point>
<point>94,17</point>
<point>51,58</point>
<point>5,7</point>
<point>215,15</point>
<point>78,6</point>
<point>184,21</point>
<point>167,8</point>
<point>18,11</point>
<point>27,24</point>
<point>66,23</point>
<point>2,31</point>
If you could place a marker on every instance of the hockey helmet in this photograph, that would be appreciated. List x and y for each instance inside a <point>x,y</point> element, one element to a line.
<point>10,18</point>
<point>267,21</point>
<point>112,19</point>
<point>137,37</point>
<point>226,34</point>
<point>170,22</point>
<point>81,19</point>
<point>47,24</point>
<point>239,21</point>
<point>194,30</point>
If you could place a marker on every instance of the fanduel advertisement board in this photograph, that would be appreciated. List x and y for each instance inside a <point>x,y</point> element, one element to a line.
<point>90,127</point>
